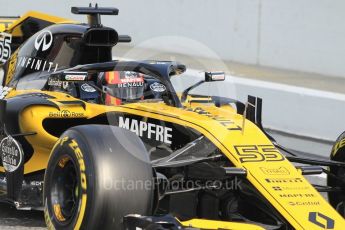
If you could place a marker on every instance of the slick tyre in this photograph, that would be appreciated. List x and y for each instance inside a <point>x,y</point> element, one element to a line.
<point>96,175</point>
<point>337,199</point>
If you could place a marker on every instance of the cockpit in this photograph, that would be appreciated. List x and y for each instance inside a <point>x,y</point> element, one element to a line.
<point>111,88</point>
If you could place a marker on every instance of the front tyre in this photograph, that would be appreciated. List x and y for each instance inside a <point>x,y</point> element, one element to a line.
<point>96,175</point>
<point>337,199</point>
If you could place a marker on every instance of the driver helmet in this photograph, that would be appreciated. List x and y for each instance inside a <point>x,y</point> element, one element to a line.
<point>123,87</point>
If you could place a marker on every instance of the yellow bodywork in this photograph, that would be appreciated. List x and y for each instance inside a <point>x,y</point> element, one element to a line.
<point>212,224</point>
<point>241,141</point>
<point>11,24</point>
<point>270,173</point>
<point>6,23</point>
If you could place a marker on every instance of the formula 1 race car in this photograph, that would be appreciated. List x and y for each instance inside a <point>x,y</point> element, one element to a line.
<point>96,142</point>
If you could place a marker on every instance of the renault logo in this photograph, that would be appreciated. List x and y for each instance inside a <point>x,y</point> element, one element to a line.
<point>321,220</point>
<point>44,40</point>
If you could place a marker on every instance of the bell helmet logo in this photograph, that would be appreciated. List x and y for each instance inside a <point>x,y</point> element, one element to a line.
<point>44,40</point>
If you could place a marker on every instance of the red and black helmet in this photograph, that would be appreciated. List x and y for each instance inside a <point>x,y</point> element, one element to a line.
<point>123,86</point>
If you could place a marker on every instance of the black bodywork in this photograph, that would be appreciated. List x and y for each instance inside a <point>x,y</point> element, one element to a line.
<point>88,48</point>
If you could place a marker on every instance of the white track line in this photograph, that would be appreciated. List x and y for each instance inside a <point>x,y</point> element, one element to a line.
<point>269,85</point>
<point>278,87</point>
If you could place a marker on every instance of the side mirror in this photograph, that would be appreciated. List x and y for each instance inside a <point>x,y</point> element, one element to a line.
<point>209,77</point>
<point>214,76</point>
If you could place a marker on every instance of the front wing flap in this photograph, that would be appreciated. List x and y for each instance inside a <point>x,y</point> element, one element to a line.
<point>135,222</point>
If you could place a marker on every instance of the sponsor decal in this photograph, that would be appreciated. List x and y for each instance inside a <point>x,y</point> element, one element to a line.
<point>321,220</point>
<point>229,124</point>
<point>83,181</point>
<point>88,88</point>
<point>5,47</point>
<point>82,167</point>
<point>297,195</point>
<point>75,76</point>
<point>284,180</point>
<point>258,153</point>
<point>58,83</point>
<point>44,40</point>
<point>125,79</point>
<point>11,154</point>
<point>55,83</point>
<point>37,64</point>
<point>158,87</point>
<point>130,84</point>
<point>65,114</point>
<point>37,183</point>
<point>130,79</point>
<point>147,130</point>
<point>4,91</point>
<point>275,171</point>
<point>304,203</point>
<point>283,188</point>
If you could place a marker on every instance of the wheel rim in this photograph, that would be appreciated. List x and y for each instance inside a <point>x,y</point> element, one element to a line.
<point>65,190</point>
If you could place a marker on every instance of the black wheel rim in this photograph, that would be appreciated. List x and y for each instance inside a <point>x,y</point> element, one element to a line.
<point>65,190</point>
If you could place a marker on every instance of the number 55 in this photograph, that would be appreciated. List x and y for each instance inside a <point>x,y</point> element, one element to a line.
<point>5,46</point>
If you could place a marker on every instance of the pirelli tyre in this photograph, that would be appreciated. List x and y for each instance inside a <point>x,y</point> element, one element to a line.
<point>96,175</point>
<point>337,199</point>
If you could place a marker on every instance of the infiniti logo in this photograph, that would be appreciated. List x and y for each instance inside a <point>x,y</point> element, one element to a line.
<point>44,40</point>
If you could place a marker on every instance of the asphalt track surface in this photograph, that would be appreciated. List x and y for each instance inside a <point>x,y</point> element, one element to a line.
<point>10,218</point>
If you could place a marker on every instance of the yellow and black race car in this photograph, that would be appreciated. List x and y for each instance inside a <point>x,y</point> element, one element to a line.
<point>100,143</point>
